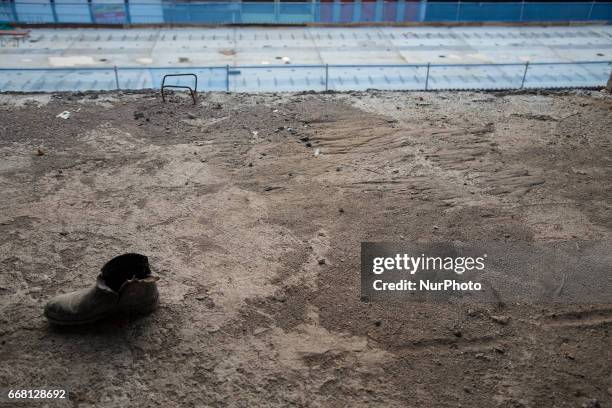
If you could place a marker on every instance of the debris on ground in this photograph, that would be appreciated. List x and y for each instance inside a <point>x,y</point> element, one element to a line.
<point>501,319</point>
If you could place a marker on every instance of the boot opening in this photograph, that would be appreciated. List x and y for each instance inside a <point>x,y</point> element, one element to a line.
<point>123,268</point>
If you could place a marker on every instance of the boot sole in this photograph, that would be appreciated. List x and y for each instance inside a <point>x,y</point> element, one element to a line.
<point>140,311</point>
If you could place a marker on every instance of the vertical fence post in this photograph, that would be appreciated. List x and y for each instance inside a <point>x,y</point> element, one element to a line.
<point>277,11</point>
<point>427,77</point>
<point>591,10</point>
<point>14,11</point>
<point>227,78</point>
<point>53,10</point>
<point>400,10</point>
<point>336,11</point>
<point>422,10</point>
<point>326,77</point>
<point>313,11</point>
<point>173,18</point>
<point>357,11</point>
<point>522,10</point>
<point>525,74</point>
<point>378,10</point>
<point>458,10</point>
<point>128,15</point>
<point>92,16</point>
<point>116,77</point>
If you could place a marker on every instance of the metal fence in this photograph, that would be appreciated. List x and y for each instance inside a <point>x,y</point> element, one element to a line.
<point>296,78</point>
<point>197,12</point>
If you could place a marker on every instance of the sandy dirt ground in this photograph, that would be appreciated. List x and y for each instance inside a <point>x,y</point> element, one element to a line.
<point>252,209</point>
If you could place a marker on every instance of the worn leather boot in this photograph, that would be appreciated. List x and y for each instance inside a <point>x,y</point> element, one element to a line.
<point>124,286</point>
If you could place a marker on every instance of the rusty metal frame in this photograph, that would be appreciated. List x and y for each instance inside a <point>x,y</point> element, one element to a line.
<point>193,92</point>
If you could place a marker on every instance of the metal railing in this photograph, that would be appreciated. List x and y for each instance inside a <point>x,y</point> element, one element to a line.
<point>296,78</point>
<point>178,12</point>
